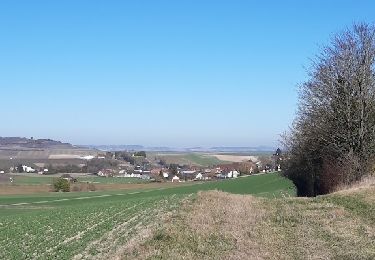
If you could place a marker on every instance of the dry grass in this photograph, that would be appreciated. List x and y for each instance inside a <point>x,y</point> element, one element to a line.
<point>9,189</point>
<point>219,225</point>
<point>366,182</point>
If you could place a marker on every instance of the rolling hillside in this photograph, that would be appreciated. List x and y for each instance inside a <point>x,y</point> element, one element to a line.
<point>218,225</point>
<point>99,225</point>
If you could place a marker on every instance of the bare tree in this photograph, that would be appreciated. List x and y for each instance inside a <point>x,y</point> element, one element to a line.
<point>332,140</point>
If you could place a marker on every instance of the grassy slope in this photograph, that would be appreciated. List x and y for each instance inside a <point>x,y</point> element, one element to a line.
<point>197,159</point>
<point>225,226</point>
<point>203,160</point>
<point>63,225</point>
<point>268,185</point>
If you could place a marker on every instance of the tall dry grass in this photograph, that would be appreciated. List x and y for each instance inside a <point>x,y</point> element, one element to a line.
<point>218,225</point>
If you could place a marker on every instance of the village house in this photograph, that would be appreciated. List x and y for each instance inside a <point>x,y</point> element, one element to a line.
<point>68,177</point>
<point>27,169</point>
<point>199,176</point>
<point>106,173</point>
<point>43,171</point>
<point>233,174</point>
<point>188,174</point>
<point>156,171</point>
<point>132,175</point>
<point>176,179</point>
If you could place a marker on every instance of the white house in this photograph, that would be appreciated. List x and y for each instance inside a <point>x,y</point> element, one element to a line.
<point>27,169</point>
<point>44,171</point>
<point>199,176</point>
<point>187,172</point>
<point>165,175</point>
<point>133,175</point>
<point>233,174</point>
<point>175,179</point>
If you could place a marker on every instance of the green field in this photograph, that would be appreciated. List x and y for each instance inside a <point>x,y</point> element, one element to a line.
<point>63,225</point>
<point>197,159</point>
<point>104,180</point>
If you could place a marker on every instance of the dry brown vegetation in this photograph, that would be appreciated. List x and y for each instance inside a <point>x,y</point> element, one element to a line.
<point>10,189</point>
<point>219,225</point>
<point>366,182</point>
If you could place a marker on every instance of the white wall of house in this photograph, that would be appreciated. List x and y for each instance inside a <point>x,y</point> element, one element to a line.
<point>233,174</point>
<point>27,169</point>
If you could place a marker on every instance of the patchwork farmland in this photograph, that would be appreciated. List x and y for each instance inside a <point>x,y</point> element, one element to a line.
<point>100,224</point>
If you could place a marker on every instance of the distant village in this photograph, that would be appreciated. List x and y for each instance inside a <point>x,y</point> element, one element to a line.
<point>125,164</point>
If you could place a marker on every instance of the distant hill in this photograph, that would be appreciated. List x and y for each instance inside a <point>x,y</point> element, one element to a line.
<point>19,143</point>
<point>116,147</point>
<point>176,149</point>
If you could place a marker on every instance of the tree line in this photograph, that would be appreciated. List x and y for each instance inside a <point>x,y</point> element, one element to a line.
<point>332,140</point>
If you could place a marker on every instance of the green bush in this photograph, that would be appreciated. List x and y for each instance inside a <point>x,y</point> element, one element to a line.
<point>60,184</point>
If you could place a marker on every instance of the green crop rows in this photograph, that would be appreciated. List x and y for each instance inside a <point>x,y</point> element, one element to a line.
<point>61,226</point>
<point>61,232</point>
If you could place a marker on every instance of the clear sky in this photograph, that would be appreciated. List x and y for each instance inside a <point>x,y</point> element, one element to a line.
<point>172,73</point>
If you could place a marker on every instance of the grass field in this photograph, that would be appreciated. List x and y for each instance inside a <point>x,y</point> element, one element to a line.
<point>84,225</point>
<point>218,225</point>
<point>198,159</point>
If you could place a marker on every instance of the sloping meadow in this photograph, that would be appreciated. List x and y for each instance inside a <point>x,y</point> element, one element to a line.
<point>98,225</point>
<point>218,225</point>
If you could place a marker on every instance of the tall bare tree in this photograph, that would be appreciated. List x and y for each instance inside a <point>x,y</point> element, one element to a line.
<point>332,140</point>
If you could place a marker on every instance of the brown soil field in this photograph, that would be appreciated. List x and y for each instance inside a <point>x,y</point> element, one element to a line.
<point>9,189</point>
<point>235,158</point>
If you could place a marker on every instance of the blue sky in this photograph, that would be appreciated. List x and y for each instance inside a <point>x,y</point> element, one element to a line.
<point>172,73</point>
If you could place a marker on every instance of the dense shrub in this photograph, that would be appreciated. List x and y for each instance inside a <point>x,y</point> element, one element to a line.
<point>60,184</point>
